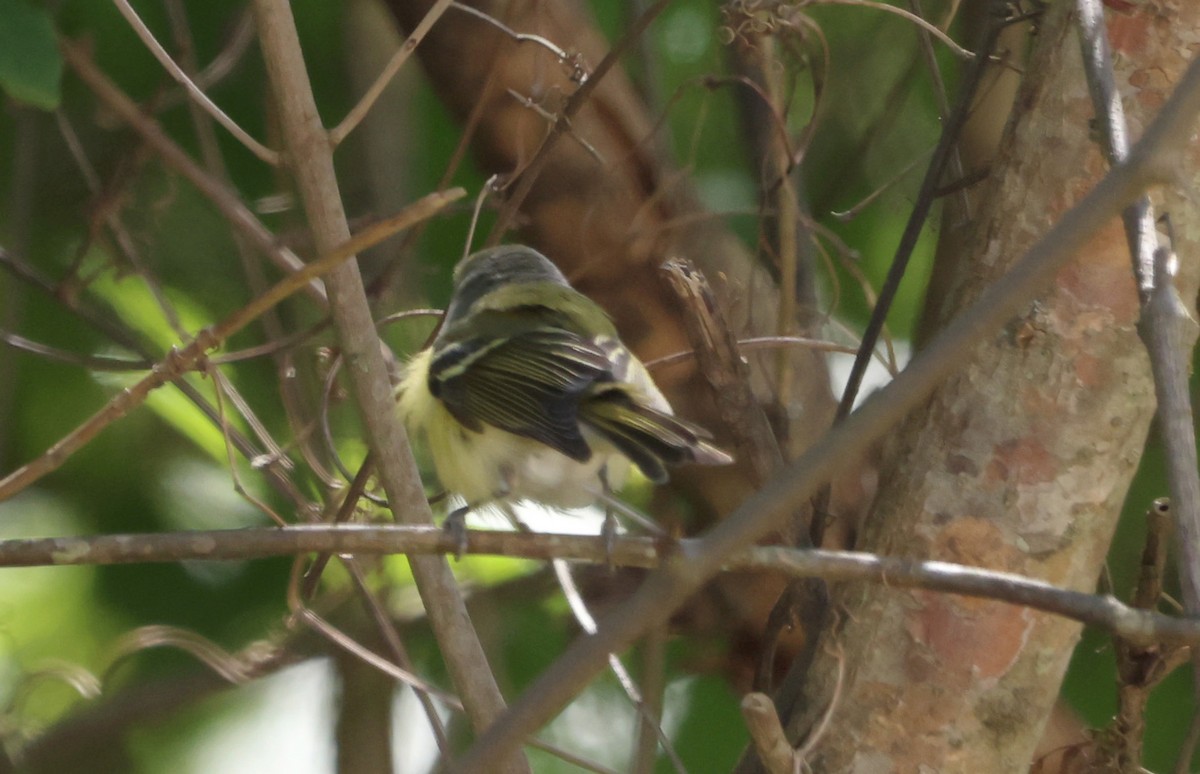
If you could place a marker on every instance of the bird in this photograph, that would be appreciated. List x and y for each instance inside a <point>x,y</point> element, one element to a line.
<point>527,393</point>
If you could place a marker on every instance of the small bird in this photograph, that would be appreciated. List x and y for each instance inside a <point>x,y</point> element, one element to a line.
<point>528,393</point>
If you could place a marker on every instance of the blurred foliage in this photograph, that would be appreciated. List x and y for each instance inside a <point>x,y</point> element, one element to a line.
<point>30,68</point>
<point>164,467</point>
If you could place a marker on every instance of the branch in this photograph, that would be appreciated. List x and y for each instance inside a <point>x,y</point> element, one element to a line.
<point>767,733</point>
<point>943,156</point>
<point>311,159</point>
<point>669,587</point>
<point>1166,326</point>
<point>925,26</point>
<point>577,100</point>
<point>1102,611</point>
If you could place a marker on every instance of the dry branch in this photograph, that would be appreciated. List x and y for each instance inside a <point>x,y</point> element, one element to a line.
<point>310,158</point>
<point>1168,327</point>
<point>1105,612</point>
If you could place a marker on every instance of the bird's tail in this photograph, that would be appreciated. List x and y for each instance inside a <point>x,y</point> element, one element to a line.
<point>652,439</point>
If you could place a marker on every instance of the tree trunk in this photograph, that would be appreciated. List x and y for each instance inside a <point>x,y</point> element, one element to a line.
<point>1021,463</point>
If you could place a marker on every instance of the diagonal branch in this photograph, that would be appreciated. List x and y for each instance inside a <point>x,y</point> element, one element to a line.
<point>226,201</point>
<point>340,132</point>
<point>563,123</point>
<point>312,166</point>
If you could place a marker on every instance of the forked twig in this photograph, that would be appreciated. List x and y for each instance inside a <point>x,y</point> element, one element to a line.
<point>587,622</point>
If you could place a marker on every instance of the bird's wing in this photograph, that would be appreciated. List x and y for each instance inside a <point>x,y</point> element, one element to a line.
<point>526,382</point>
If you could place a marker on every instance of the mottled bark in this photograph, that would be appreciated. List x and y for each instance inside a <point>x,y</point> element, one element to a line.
<point>1020,463</point>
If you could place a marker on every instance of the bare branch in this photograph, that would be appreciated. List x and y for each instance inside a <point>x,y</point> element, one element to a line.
<point>225,200</point>
<point>519,37</point>
<point>587,622</point>
<point>90,362</point>
<point>1167,325</point>
<point>956,49</point>
<point>943,156</point>
<point>529,175</point>
<point>312,156</point>
<point>1104,612</point>
<point>1142,667</point>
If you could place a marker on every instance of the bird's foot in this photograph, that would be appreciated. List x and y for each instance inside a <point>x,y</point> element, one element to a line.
<point>609,532</point>
<point>455,525</point>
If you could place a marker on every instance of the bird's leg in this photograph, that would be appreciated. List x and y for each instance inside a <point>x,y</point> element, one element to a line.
<point>513,518</point>
<point>609,530</point>
<point>456,521</point>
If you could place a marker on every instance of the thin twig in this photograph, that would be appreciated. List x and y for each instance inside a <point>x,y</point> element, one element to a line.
<point>587,622</point>
<point>387,631</point>
<point>226,201</point>
<point>943,103</point>
<point>276,475</point>
<point>653,673</point>
<point>224,62</point>
<point>229,667</point>
<point>818,732</point>
<point>252,269</point>
<point>359,111</point>
<point>519,37</point>
<point>219,390</point>
<point>956,49</point>
<point>576,101</point>
<point>1141,667</point>
<point>199,97</point>
<point>942,155</point>
<point>90,362</point>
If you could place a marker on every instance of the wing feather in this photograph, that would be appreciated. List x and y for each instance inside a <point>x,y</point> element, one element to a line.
<point>528,383</point>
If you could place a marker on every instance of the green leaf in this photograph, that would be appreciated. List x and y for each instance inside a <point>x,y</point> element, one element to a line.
<point>30,65</point>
